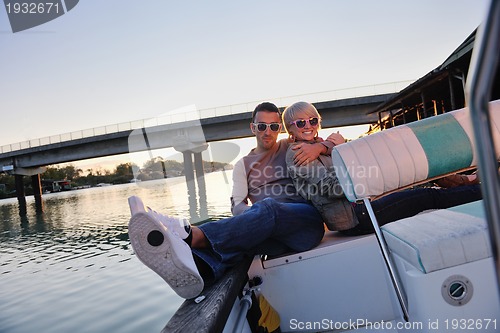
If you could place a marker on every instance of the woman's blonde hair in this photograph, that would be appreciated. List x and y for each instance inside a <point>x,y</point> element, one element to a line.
<point>295,109</point>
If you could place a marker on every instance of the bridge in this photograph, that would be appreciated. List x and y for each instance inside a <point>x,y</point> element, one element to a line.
<point>187,132</point>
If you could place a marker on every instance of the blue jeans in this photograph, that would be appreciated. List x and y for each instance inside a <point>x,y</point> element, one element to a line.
<point>267,226</point>
<point>407,203</point>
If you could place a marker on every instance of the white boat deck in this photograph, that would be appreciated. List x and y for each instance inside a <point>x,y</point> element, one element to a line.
<point>343,285</point>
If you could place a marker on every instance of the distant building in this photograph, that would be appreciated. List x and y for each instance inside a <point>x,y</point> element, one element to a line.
<point>49,185</point>
<point>439,91</point>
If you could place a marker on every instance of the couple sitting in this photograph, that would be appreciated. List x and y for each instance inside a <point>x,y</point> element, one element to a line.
<point>293,189</point>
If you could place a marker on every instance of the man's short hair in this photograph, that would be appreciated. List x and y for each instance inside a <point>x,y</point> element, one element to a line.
<point>266,107</point>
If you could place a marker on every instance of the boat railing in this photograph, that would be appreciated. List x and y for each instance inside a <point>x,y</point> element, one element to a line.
<point>484,65</point>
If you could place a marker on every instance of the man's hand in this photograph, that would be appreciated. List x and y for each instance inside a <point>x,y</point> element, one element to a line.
<point>336,138</point>
<point>306,152</point>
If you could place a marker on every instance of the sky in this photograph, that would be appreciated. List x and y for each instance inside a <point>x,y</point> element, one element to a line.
<point>113,61</point>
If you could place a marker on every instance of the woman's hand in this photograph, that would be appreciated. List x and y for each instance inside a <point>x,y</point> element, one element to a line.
<point>336,138</point>
<point>306,152</point>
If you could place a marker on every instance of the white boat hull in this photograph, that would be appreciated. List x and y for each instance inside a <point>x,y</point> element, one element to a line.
<point>343,285</point>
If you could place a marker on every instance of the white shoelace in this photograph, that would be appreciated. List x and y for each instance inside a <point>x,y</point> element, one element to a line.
<point>173,224</point>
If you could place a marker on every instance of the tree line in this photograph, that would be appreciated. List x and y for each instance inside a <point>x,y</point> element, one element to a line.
<point>155,168</point>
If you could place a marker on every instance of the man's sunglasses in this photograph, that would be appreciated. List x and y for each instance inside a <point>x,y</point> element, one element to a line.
<point>302,122</point>
<point>261,127</point>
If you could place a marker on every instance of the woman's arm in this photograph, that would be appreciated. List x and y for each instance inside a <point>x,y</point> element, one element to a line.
<point>307,152</point>
<point>313,178</point>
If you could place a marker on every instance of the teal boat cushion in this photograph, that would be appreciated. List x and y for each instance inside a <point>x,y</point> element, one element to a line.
<point>445,143</point>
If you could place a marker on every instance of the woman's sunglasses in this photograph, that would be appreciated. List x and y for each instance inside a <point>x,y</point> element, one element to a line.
<point>261,127</point>
<point>302,122</point>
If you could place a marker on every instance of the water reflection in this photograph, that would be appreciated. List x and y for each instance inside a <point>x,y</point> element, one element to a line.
<point>39,224</point>
<point>71,268</point>
<point>198,208</point>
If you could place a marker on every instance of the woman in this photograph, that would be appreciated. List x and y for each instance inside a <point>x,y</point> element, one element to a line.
<point>317,182</point>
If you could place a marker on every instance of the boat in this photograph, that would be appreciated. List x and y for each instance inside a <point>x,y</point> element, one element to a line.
<point>52,186</point>
<point>437,271</point>
<point>103,184</point>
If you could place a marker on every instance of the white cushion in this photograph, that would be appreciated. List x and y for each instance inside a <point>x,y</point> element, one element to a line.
<point>442,238</point>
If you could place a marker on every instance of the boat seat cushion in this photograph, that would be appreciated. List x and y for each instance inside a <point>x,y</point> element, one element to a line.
<point>407,154</point>
<point>440,239</point>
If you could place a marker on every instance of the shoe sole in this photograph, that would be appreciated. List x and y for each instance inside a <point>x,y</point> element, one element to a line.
<point>165,258</point>
<point>136,206</point>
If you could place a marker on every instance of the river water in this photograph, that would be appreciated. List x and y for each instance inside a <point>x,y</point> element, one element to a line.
<point>72,269</point>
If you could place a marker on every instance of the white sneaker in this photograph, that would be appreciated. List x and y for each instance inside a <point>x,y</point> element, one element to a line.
<point>136,205</point>
<point>177,225</point>
<point>165,253</point>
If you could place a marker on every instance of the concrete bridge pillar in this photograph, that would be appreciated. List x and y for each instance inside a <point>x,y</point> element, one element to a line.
<point>190,183</point>
<point>20,193</point>
<point>200,174</point>
<point>36,184</point>
<point>202,190</point>
<point>19,174</point>
<point>197,203</point>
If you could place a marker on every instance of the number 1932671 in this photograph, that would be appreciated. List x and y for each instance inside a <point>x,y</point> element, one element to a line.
<point>470,324</point>
<point>32,8</point>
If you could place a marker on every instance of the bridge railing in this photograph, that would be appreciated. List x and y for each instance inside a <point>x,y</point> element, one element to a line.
<point>187,114</point>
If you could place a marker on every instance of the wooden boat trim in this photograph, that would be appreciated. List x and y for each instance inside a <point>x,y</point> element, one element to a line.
<point>210,315</point>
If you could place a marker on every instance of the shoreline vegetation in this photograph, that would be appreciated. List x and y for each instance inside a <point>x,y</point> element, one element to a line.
<point>69,177</point>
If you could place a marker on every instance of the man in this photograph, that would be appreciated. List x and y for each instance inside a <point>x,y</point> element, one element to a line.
<point>263,172</point>
<point>189,257</point>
